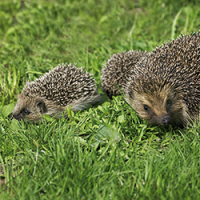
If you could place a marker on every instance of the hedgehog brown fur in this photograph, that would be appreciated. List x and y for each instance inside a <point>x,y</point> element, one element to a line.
<point>165,86</point>
<point>52,93</point>
<point>118,70</point>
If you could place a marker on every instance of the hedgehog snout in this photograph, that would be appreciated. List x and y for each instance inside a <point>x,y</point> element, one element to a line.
<point>17,116</point>
<point>166,120</point>
<point>10,117</point>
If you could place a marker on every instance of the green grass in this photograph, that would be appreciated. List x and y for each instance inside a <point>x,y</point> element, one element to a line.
<point>104,152</point>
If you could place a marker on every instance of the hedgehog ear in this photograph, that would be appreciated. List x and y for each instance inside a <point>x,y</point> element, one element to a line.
<point>41,105</point>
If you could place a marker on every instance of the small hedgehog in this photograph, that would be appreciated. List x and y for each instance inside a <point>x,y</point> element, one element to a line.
<point>165,86</point>
<point>117,71</point>
<point>52,93</point>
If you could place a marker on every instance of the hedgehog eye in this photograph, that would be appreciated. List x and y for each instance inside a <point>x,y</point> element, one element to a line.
<point>146,107</point>
<point>169,102</point>
<point>25,112</point>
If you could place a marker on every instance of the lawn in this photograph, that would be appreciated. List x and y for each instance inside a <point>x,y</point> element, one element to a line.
<point>106,151</point>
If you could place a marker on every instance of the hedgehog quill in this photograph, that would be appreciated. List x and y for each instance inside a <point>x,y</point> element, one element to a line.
<point>62,87</point>
<point>117,71</point>
<point>164,87</point>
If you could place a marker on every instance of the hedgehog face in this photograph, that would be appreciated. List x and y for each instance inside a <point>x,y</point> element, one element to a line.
<point>29,108</point>
<point>160,108</point>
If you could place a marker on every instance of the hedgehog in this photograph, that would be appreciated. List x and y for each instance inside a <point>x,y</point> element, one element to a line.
<point>117,71</point>
<point>62,87</point>
<point>164,87</point>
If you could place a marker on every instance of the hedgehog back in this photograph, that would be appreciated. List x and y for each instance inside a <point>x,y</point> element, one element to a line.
<point>62,85</point>
<point>117,71</point>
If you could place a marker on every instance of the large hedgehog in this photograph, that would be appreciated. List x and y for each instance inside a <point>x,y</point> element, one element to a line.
<point>52,93</point>
<point>165,86</point>
<point>117,71</point>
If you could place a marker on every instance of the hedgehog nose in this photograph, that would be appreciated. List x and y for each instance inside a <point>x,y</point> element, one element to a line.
<point>10,116</point>
<point>166,121</point>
